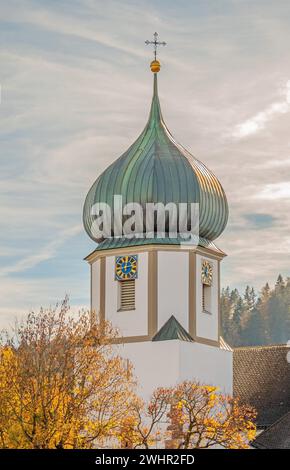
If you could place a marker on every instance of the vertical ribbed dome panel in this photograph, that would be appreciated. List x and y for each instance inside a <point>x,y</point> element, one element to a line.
<point>158,169</point>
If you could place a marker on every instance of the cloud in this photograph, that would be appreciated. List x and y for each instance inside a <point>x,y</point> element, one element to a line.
<point>275,191</point>
<point>258,121</point>
<point>34,294</point>
<point>44,254</point>
<point>76,90</point>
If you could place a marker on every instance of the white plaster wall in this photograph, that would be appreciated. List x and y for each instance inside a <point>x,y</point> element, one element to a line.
<point>133,322</point>
<point>167,363</point>
<point>173,269</point>
<point>155,364</point>
<point>206,364</point>
<point>95,286</point>
<point>207,323</point>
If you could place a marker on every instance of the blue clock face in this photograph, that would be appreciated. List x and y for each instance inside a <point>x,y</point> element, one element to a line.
<point>126,267</point>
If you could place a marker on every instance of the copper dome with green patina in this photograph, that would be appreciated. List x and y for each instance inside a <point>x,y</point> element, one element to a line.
<point>155,169</point>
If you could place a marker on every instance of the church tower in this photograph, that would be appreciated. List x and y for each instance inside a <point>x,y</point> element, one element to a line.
<point>161,294</point>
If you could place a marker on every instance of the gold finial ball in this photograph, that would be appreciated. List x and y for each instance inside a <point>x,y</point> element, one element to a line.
<point>155,66</point>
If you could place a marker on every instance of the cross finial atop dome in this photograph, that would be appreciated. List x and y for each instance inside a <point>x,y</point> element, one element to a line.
<point>157,169</point>
<point>155,64</point>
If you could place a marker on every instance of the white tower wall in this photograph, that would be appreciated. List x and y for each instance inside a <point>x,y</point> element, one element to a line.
<point>169,283</point>
<point>173,272</point>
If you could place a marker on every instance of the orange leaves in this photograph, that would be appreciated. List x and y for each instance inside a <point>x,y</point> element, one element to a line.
<point>188,416</point>
<point>142,427</point>
<point>207,418</point>
<point>61,386</point>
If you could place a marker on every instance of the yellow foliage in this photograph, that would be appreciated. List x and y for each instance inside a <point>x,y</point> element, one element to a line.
<point>206,418</point>
<point>60,384</point>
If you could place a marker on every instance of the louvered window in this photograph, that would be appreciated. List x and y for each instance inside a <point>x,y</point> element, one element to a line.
<point>127,295</point>
<point>206,298</point>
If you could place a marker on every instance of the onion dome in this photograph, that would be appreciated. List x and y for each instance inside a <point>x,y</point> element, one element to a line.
<point>155,169</point>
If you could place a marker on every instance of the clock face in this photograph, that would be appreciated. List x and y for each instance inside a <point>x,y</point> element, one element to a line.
<point>126,267</point>
<point>206,273</point>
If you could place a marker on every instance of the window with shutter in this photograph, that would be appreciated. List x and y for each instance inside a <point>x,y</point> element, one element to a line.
<point>127,295</point>
<point>206,298</point>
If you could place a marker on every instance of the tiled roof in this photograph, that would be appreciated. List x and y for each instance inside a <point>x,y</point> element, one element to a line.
<point>172,329</point>
<point>276,436</point>
<point>262,379</point>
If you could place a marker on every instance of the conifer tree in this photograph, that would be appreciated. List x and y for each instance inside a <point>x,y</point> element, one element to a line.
<point>250,321</point>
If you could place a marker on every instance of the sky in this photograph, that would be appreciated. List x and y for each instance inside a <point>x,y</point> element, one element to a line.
<point>75,93</point>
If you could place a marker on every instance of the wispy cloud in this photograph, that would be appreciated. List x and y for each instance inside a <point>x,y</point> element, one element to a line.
<point>258,121</point>
<point>45,253</point>
<point>76,90</point>
<point>275,191</point>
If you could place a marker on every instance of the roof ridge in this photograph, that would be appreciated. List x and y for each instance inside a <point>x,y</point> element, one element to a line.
<point>266,346</point>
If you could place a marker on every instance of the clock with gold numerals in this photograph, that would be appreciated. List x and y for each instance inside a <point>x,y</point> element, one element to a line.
<point>206,273</point>
<point>126,267</point>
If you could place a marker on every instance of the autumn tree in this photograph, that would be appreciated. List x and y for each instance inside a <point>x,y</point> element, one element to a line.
<point>61,384</point>
<point>205,418</point>
<point>144,426</point>
<point>189,416</point>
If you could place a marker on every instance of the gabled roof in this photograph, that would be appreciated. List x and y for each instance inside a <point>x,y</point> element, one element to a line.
<point>262,380</point>
<point>172,329</point>
<point>276,436</point>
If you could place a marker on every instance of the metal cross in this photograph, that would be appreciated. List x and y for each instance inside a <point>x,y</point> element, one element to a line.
<point>155,43</point>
